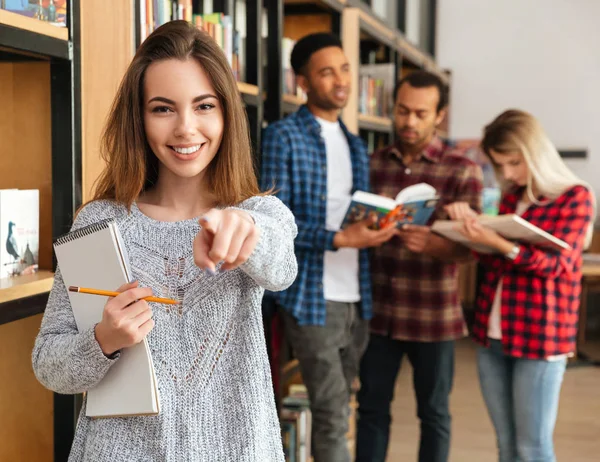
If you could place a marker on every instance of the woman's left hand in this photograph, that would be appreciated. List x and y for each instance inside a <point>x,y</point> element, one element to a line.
<point>478,233</point>
<point>227,236</point>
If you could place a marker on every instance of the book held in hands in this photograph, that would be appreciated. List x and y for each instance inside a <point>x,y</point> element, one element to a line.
<point>95,256</point>
<point>413,205</point>
<point>511,226</point>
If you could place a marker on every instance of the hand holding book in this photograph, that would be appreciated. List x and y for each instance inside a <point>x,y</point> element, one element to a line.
<point>469,226</point>
<point>492,234</point>
<point>412,205</point>
<point>126,319</point>
<point>361,235</point>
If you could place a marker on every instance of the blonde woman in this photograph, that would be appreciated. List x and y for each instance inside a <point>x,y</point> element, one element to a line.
<point>527,310</point>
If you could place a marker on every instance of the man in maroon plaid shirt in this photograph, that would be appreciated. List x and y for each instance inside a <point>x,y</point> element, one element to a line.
<point>416,303</point>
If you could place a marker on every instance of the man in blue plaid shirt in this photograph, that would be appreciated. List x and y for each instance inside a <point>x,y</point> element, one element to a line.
<point>315,165</point>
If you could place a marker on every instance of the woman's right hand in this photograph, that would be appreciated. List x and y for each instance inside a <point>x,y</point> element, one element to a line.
<point>460,211</point>
<point>126,319</point>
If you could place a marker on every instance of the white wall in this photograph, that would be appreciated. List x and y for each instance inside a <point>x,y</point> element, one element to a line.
<point>542,56</point>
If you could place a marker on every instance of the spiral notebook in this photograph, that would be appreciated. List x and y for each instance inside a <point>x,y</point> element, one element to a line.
<point>94,256</point>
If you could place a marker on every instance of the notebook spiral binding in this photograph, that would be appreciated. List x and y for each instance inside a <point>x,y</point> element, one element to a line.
<point>81,232</point>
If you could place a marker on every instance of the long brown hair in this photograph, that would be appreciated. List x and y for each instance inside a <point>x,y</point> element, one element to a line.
<point>131,166</point>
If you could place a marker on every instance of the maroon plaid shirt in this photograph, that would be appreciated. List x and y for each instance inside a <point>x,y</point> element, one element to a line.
<point>415,297</point>
<point>541,288</point>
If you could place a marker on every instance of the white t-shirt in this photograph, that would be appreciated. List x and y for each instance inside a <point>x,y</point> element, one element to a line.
<point>340,275</point>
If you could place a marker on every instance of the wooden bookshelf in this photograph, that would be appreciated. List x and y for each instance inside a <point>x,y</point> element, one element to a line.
<point>19,21</point>
<point>26,407</point>
<point>247,89</point>
<point>374,123</point>
<point>36,152</point>
<point>376,29</point>
<point>336,5</point>
<point>112,53</point>
<point>15,288</point>
<point>291,103</point>
<point>250,94</point>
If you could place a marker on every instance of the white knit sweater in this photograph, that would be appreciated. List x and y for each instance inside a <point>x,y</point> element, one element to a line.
<point>209,353</point>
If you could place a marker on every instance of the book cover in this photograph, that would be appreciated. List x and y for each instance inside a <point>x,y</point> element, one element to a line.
<point>95,256</point>
<point>413,205</point>
<point>288,436</point>
<point>19,231</point>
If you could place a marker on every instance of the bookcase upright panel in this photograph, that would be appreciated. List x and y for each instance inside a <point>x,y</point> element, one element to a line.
<point>111,52</point>
<point>25,131</point>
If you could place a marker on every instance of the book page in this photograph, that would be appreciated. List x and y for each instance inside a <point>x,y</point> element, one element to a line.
<point>415,193</point>
<point>511,227</point>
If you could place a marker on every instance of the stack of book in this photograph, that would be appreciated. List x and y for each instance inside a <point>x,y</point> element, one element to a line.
<point>296,424</point>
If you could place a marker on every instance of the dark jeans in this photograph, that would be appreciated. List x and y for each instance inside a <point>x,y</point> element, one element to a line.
<point>433,372</point>
<point>329,356</point>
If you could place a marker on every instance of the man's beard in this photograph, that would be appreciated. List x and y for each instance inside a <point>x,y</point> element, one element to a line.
<point>328,104</point>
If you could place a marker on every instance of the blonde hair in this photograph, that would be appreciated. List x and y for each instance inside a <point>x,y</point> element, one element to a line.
<point>519,131</point>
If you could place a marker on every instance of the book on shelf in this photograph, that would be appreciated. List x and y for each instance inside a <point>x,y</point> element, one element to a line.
<point>510,226</point>
<point>155,13</point>
<point>221,28</point>
<point>96,257</point>
<point>288,77</point>
<point>376,86</point>
<point>19,232</point>
<point>296,424</point>
<point>288,437</point>
<point>413,205</point>
<point>51,11</point>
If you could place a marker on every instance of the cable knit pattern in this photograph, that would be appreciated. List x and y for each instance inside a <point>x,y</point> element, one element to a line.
<point>209,353</point>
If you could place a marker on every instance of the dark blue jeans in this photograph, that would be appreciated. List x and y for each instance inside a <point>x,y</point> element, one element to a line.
<point>433,373</point>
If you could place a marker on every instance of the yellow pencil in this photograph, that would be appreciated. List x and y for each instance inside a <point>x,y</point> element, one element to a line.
<point>108,293</point>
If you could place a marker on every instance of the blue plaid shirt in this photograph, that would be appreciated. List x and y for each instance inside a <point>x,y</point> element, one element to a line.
<point>294,162</point>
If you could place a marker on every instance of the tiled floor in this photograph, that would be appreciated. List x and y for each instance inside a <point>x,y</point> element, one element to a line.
<point>577,436</point>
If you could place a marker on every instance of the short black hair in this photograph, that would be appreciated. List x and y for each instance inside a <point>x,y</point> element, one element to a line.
<point>424,79</point>
<point>309,45</point>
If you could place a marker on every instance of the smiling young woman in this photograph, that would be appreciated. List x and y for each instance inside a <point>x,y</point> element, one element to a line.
<point>180,185</point>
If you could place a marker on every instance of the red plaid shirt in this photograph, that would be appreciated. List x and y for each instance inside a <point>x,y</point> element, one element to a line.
<point>541,288</point>
<point>415,297</point>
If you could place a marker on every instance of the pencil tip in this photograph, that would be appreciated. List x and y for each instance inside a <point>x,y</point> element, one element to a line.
<point>73,289</point>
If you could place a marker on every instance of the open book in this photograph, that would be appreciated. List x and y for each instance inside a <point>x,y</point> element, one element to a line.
<point>95,257</point>
<point>510,226</point>
<point>413,205</point>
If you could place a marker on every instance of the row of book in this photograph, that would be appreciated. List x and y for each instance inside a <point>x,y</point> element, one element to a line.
<point>290,86</point>
<point>19,231</point>
<point>51,11</point>
<point>296,425</point>
<point>376,84</point>
<point>154,13</point>
<point>220,27</point>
